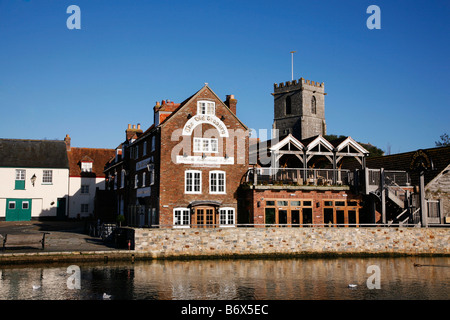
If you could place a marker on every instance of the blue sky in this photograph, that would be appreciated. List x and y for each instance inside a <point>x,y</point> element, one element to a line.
<point>388,87</point>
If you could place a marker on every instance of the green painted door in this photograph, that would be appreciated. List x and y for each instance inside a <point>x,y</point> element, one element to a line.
<point>18,210</point>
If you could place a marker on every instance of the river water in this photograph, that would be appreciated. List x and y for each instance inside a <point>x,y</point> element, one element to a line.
<point>241,279</point>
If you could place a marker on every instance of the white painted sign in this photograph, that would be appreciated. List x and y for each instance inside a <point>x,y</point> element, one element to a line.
<point>205,161</point>
<point>203,118</point>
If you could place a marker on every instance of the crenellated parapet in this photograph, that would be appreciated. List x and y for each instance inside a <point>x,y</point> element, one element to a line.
<point>298,84</point>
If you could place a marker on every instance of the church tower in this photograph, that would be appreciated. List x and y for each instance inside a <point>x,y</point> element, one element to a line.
<point>299,108</point>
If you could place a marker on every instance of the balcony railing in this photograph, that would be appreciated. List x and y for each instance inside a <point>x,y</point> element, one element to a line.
<point>299,176</point>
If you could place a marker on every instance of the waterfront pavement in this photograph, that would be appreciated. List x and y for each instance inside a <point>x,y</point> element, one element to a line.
<point>63,236</point>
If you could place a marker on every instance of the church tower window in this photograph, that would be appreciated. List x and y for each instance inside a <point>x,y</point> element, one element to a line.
<point>313,105</point>
<point>288,105</point>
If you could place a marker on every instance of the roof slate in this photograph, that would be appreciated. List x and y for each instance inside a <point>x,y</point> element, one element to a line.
<point>20,153</point>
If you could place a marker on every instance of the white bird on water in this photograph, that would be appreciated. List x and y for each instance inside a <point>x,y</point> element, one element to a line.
<point>35,287</point>
<point>106,296</point>
<point>352,285</point>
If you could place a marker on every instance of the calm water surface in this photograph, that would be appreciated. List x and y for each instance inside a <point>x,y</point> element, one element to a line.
<point>284,279</point>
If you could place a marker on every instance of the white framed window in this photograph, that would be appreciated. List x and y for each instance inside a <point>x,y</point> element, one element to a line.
<point>144,176</point>
<point>25,205</point>
<point>20,174</point>
<point>226,216</point>
<point>136,150</point>
<point>47,176</point>
<point>12,205</point>
<point>136,181</point>
<point>86,166</point>
<point>207,145</point>
<point>206,107</point>
<point>193,181</point>
<point>85,189</point>
<point>181,217</point>
<point>217,183</point>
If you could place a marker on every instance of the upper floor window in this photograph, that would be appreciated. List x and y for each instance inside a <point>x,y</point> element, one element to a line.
<point>153,143</point>
<point>144,149</point>
<point>288,105</point>
<point>217,182</point>
<point>122,179</point>
<point>86,166</point>
<point>313,105</point>
<point>20,179</point>
<point>206,145</point>
<point>193,181</point>
<point>85,189</point>
<point>47,176</point>
<point>206,107</point>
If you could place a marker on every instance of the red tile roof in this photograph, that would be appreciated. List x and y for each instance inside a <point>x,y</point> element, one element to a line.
<point>99,157</point>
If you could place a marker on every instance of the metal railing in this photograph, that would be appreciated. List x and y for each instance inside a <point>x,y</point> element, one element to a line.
<point>299,176</point>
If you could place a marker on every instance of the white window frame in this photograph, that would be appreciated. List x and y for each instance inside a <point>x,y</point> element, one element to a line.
<point>206,145</point>
<point>215,187</point>
<point>47,176</point>
<point>181,218</point>
<point>20,174</point>
<point>27,205</point>
<point>144,176</point>
<point>136,181</point>
<point>13,203</point>
<point>206,107</point>
<point>227,217</point>
<point>86,166</point>
<point>190,182</point>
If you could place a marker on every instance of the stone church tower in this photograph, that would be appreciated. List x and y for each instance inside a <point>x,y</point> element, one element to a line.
<point>299,108</point>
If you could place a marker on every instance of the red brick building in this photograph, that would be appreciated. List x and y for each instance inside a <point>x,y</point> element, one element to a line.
<point>186,169</point>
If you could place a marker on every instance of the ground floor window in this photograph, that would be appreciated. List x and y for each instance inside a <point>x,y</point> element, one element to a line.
<point>293,213</point>
<point>181,217</point>
<point>341,213</point>
<point>226,216</point>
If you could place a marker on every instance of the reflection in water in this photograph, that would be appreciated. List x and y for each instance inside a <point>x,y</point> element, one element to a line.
<point>286,279</point>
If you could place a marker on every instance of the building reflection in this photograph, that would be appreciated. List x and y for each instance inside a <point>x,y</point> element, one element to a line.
<point>244,279</point>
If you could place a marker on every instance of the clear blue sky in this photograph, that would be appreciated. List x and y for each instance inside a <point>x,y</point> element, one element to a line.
<point>389,87</point>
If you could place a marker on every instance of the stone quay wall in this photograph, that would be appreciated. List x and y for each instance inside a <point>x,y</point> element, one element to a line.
<point>264,242</point>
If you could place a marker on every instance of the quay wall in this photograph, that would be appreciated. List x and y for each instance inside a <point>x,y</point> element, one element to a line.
<point>233,242</point>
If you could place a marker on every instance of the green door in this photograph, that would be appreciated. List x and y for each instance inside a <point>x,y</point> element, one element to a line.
<point>18,210</point>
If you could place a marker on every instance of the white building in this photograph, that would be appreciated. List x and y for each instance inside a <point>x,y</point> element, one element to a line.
<point>34,177</point>
<point>85,177</point>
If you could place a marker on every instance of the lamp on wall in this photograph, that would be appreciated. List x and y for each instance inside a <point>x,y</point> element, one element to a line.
<point>33,179</point>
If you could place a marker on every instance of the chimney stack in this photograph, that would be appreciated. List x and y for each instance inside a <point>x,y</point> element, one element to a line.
<point>67,141</point>
<point>132,131</point>
<point>231,103</point>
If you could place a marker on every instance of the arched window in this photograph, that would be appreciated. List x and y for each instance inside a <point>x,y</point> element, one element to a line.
<point>313,105</point>
<point>288,105</point>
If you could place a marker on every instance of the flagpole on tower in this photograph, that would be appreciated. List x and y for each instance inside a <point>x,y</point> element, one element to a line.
<point>292,65</point>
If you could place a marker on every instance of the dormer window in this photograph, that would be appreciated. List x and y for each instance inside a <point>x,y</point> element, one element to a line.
<point>206,107</point>
<point>86,166</point>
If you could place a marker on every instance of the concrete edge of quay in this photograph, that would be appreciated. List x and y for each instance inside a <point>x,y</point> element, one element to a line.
<point>132,256</point>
